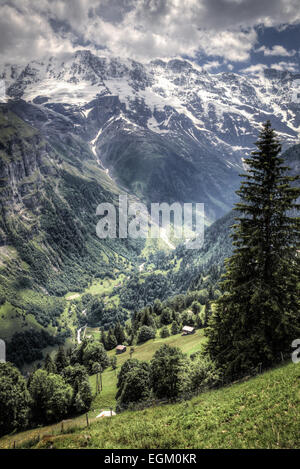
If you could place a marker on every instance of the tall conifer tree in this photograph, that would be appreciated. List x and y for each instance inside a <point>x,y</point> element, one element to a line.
<point>258,315</point>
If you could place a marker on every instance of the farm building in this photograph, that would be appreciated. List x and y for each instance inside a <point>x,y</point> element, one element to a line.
<point>121,348</point>
<point>186,330</point>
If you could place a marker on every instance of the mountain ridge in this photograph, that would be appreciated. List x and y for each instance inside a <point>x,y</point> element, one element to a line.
<point>166,130</point>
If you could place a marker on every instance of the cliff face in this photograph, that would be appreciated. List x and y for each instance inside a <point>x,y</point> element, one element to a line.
<point>50,187</point>
<point>25,160</point>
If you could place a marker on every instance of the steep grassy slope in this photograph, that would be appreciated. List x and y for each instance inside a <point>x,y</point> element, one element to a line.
<point>106,399</point>
<point>263,412</point>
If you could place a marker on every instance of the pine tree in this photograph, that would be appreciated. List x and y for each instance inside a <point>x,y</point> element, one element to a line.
<point>119,333</point>
<point>61,360</point>
<point>258,316</point>
<point>49,364</point>
<point>175,329</point>
<point>111,341</point>
<point>103,338</point>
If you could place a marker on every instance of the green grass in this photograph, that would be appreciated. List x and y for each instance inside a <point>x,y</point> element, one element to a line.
<point>103,287</point>
<point>13,320</point>
<point>263,412</point>
<point>188,344</point>
<point>106,398</point>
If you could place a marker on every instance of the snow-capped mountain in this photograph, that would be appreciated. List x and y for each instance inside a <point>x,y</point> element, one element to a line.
<point>166,130</point>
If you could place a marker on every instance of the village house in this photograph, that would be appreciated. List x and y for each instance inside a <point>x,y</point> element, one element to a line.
<point>186,330</point>
<point>121,349</point>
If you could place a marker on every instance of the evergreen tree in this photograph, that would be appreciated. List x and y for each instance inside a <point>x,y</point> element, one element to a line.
<point>119,333</point>
<point>196,307</point>
<point>175,329</point>
<point>157,307</point>
<point>113,362</point>
<point>103,338</point>
<point>207,313</point>
<point>49,364</point>
<point>61,360</point>
<point>166,316</point>
<point>258,316</point>
<point>111,341</point>
<point>147,319</point>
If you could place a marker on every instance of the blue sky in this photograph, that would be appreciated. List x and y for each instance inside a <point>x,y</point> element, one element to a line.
<point>239,35</point>
<point>275,47</point>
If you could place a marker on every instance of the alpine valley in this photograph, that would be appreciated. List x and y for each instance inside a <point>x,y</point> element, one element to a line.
<point>79,131</point>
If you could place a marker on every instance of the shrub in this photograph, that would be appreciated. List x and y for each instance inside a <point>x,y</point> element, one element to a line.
<point>146,333</point>
<point>164,332</point>
<point>203,373</point>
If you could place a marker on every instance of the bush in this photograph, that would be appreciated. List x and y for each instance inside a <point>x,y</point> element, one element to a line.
<point>146,333</point>
<point>203,373</point>
<point>164,332</point>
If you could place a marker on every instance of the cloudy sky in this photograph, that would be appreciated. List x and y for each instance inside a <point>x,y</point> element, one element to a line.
<point>219,35</point>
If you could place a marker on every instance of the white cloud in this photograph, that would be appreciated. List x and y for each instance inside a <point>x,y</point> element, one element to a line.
<point>141,29</point>
<point>254,69</point>
<point>283,66</point>
<point>211,65</point>
<point>26,37</point>
<point>258,69</point>
<point>277,50</point>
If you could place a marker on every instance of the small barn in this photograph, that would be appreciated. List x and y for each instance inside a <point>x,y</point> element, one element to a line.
<point>186,330</point>
<point>121,349</point>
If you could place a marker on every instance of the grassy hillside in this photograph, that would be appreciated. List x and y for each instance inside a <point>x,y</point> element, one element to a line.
<point>188,344</point>
<point>106,399</point>
<point>263,412</point>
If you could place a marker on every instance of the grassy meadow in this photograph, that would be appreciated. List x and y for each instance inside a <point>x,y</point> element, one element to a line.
<point>263,412</point>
